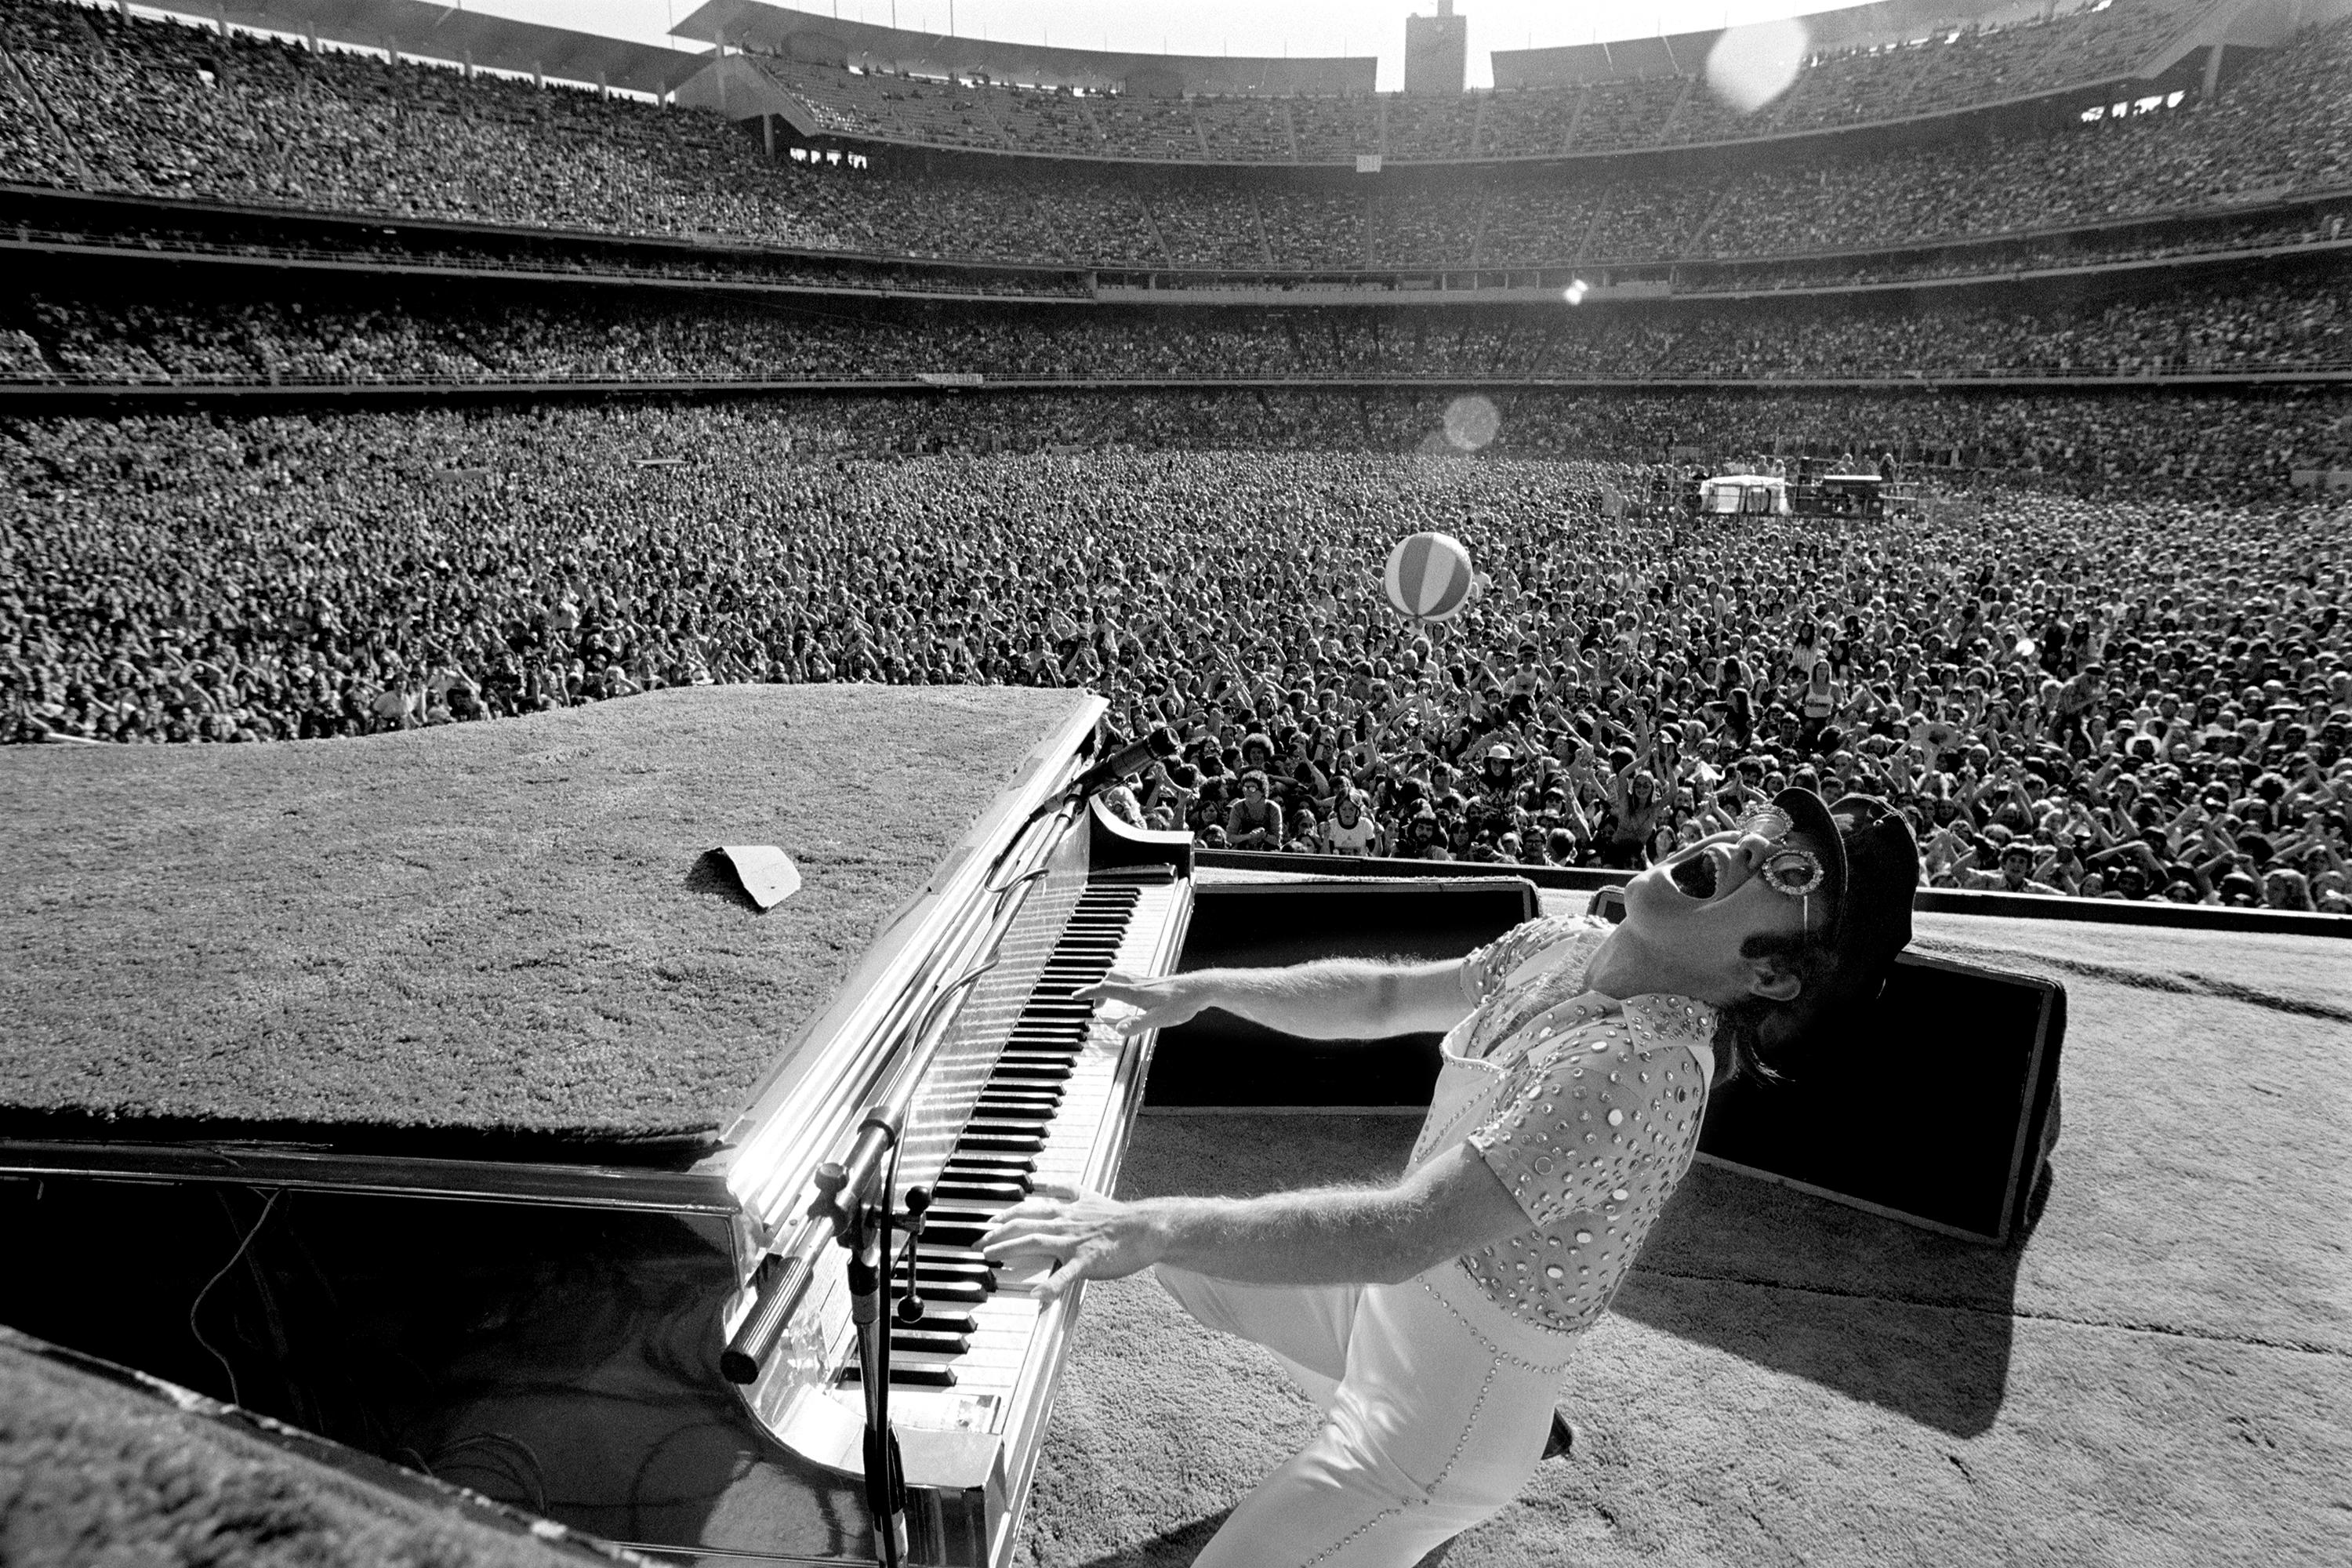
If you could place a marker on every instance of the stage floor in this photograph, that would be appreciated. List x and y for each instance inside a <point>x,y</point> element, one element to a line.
<point>2158,1376</point>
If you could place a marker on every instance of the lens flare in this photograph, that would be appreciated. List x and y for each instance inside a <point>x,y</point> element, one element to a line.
<point>1574,292</point>
<point>1751,66</point>
<point>1471,422</point>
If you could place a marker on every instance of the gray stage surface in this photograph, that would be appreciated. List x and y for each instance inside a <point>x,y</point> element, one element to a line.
<point>2159,1376</point>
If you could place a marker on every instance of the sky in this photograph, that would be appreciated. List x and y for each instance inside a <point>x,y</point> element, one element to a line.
<point>1217,27</point>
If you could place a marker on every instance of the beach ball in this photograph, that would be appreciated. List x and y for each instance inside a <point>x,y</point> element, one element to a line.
<point>1429,576</point>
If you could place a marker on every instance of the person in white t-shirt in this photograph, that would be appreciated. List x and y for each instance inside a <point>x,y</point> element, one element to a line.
<point>1351,830</point>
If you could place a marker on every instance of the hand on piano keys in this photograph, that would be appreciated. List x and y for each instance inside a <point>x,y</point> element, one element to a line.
<point>1060,1234</point>
<point>1134,1003</point>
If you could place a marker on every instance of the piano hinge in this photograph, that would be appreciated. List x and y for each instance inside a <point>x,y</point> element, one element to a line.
<point>1134,874</point>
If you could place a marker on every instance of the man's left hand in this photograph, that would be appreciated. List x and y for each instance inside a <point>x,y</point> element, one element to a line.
<point>1087,1235</point>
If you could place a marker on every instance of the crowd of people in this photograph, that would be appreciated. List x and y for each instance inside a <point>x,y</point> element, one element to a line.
<point>1942,70</point>
<point>2128,698</point>
<point>90,100</point>
<point>373,330</point>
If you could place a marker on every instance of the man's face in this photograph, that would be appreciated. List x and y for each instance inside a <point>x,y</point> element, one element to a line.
<point>1697,908</point>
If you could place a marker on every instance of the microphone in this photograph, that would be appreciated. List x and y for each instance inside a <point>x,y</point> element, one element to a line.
<point>1161,745</point>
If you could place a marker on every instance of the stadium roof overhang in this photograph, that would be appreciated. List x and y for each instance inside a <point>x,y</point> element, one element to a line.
<point>828,40</point>
<point>1681,54</point>
<point>445,33</point>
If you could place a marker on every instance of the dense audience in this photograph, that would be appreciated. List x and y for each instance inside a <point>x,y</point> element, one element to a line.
<point>378,332</point>
<point>2128,698</point>
<point>1939,72</point>
<point>162,109</point>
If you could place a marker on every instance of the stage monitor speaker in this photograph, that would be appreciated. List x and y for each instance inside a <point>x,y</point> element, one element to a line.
<point>1219,1061</point>
<point>1936,1105</point>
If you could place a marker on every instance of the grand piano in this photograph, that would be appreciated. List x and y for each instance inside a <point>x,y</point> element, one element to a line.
<point>647,1337</point>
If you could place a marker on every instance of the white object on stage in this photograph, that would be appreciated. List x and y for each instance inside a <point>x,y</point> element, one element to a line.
<point>767,873</point>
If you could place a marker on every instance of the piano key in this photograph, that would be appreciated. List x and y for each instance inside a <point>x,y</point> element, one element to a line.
<point>1037,1055</point>
<point>1003,1194</point>
<point>969,1292</point>
<point>986,1173</point>
<point>1002,1143</point>
<point>1033,1072</point>
<point>997,1111</point>
<point>912,1376</point>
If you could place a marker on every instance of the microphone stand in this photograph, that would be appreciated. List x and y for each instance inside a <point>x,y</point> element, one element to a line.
<point>863,1225</point>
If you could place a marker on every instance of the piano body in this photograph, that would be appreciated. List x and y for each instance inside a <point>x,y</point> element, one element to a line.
<point>1014,1082</point>
<point>652,1344</point>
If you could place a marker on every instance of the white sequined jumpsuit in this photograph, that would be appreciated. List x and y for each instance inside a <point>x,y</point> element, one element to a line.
<point>1438,1393</point>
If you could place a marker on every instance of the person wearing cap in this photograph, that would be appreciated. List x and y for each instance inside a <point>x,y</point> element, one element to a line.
<point>1434,1322</point>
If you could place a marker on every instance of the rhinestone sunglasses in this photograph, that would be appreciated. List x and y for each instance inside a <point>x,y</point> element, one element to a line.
<point>1788,868</point>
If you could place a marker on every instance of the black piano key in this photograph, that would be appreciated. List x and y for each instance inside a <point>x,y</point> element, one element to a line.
<point>973,1160</point>
<point>983,1275</point>
<point>952,1260</point>
<point>1002,1129</point>
<point>927,1342</point>
<point>959,1169</point>
<point>992,1159</point>
<point>907,1375</point>
<point>1031,1072</point>
<point>958,1292</point>
<point>1042,1095</point>
<point>962,1323</point>
<point>999,1115</point>
<point>1004,1193</point>
<point>1002,1144</point>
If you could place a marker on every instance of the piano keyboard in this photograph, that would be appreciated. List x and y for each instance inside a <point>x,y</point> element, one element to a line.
<point>1055,1108</point>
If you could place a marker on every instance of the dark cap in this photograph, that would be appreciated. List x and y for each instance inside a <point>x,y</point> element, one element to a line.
<point>1869,875</point>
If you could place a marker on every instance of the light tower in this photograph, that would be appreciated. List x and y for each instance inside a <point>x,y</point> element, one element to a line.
<point>1436,53</point>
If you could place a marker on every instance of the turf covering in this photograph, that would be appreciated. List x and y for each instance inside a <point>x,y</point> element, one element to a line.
<point>502,927</point>
<point>94,1472</point>
<point>2158,1376</point>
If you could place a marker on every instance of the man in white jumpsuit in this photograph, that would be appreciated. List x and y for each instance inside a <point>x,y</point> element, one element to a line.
<point>1433,1320</point>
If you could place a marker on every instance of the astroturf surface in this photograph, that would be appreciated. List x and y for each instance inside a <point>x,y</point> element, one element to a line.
<point>501,928</point>
<point>2158,1376</point>
<point>95,1473</point>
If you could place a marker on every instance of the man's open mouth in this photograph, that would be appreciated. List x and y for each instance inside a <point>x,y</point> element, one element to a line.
<point>1694,876</point>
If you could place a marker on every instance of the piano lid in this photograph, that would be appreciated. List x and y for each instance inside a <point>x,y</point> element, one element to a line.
<point>480,944</point>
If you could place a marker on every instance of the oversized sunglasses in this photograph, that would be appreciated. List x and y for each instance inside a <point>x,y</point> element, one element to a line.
<point>1789,869</point>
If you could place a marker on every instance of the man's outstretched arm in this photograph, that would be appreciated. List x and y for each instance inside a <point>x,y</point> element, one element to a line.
<point>1329,1236</point>
<point>1332,999</point>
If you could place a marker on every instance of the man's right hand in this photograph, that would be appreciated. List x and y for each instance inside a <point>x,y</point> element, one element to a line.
<point>1161,1002</point>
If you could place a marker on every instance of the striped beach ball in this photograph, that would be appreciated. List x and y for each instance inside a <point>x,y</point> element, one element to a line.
<point>1429,576</point>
